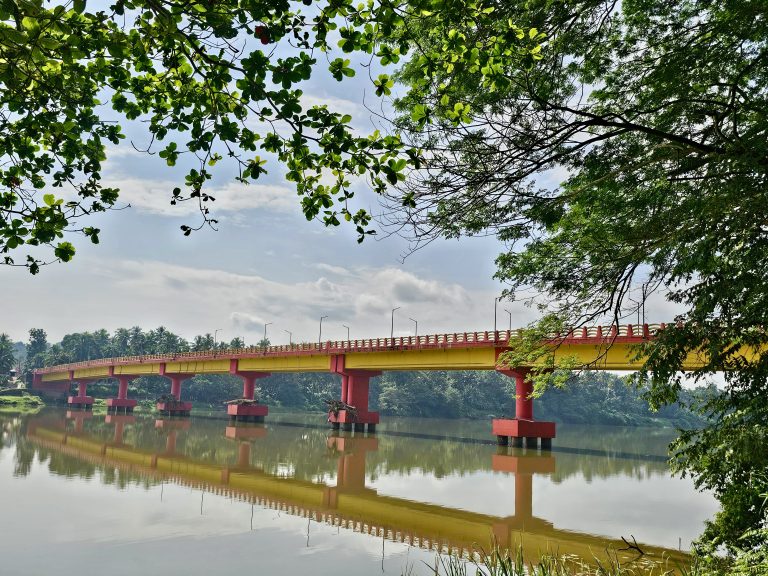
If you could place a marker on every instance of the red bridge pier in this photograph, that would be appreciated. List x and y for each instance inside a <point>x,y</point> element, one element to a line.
<point>354,392</point>
<point>122,403</point>
<point>523,426</point>
<point>249,411</point>
<point>82,400</point>
<point>173,406</point>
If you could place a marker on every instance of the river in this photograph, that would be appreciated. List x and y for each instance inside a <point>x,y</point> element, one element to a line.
<point>82,493</point>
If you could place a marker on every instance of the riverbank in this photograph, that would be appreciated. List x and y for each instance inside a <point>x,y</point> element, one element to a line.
<point>25,403</point>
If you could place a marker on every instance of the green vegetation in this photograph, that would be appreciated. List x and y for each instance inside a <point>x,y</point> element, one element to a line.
<point>499,562</point>
<point>20,403</point>
<point>629,159</point>
<point>210,83</point>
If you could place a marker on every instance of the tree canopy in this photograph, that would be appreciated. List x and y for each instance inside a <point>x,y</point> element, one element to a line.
<point>210,81</point>
<point>630,159</point>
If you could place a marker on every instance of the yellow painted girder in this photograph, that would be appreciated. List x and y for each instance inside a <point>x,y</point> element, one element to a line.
<point>615,357</point>
<point>94,372</point>
<point>298,363</point>
<point>435,359</point>
<point>55,376</point>
<point>138,369</point>
<point>200,367</point>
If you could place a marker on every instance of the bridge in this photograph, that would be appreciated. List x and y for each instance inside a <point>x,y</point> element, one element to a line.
<point>356,362</point>
<point>349,504</point>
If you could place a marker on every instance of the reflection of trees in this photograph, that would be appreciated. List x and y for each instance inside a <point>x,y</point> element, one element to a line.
<point>304,452</point>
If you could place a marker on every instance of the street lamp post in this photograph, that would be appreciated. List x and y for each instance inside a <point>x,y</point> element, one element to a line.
<point>347,327</point>
<point>265,333</point>
<point>320,337</point>
<point>416,331</point>
<point>392,329</point>
<point>290,336</point>
<point>215,332</point>
<point>510,318</point>
<point>495,302</point>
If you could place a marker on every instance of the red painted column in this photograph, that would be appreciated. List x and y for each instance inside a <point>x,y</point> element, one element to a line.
<point>122,387</point>
<point>249,387</point>
<point>522,426</point>
<point>82,388</point>
<point>176,386</point>
<point>247,412</point>
<point>345,388</point>
<point>523,402</point>
<point>357,391</point>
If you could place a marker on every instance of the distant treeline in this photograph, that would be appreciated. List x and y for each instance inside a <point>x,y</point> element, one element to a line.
<point>592,397</point>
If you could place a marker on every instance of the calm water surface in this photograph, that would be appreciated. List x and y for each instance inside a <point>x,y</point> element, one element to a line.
<point>84,493</point>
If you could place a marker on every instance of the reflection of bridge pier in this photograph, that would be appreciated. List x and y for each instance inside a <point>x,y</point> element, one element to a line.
<point>244,435</point>
<point>524,466</point>
<point>79,417</point>
<point>350,476</point>
<point>119,421</point>
<point>171,427</point>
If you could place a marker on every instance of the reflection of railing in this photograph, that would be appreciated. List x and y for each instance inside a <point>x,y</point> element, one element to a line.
<point>356,508</point>
<point>627,333</point>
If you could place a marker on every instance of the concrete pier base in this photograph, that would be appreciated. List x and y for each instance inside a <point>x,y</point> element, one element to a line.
<point>80,402</point>
<point>120,405</point>
<point>247,412</point>
<point>174,408</point>
<point>358,422</point>
<point>525,432</point>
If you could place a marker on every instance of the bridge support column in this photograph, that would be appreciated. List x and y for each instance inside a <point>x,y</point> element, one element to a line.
<point>172,405</point>
<point>354,392</point>
<point>523,426</point>
<point>247,409</point>
<point>122,403</point>
<point>82,400</point>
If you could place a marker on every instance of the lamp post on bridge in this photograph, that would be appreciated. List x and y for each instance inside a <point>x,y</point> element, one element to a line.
<point>215,332</point>
<point>347,327</point>
<point>320,336</point>
<point>392,328</point>
<point>265,333</point>
<point>416,331</point>
<point>290,336</point>
<point>510,318</point>
<point>495,303</point>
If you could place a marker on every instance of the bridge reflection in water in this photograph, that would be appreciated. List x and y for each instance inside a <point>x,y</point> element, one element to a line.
<point>348,504</point>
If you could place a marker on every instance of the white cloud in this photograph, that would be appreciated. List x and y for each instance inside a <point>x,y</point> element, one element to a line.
<point>188,300</point>
<point>154,196</point>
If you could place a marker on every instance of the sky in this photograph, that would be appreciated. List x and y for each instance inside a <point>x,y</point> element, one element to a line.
<point>265,265</point>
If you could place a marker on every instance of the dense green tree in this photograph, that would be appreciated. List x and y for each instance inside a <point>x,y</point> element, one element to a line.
<point>632,154</point>
<point>199,76</point>
<point>7,358</point>
<point>37,345</point>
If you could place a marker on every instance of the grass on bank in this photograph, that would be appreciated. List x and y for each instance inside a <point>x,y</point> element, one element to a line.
<point>500,562</point>
<point>20,403</point>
